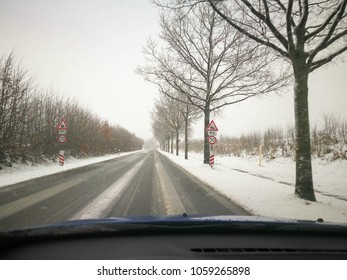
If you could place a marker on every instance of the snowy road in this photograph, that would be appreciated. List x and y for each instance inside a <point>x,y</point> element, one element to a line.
<point>144,183</point>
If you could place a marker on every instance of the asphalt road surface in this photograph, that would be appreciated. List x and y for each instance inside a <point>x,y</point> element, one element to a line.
<point>143,183</point>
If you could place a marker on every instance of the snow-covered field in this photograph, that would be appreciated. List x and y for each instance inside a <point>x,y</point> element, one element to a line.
<point>265,190</point>
<point>268,190</point>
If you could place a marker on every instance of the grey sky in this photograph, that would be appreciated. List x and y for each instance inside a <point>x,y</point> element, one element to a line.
<point>89,49</point>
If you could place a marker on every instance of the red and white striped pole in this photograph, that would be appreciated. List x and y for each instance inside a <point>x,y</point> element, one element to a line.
<point>212,160</point>
<point>211,156</point>
<point>61,158</point>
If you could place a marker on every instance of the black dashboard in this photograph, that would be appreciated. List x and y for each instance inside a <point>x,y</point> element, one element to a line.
<point>181,239</point>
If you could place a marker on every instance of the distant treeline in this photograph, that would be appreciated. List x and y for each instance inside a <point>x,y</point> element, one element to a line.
<point>29,117</point>
<point>328,140</point>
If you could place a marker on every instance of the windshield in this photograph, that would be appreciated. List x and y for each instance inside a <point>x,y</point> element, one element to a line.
<point>136,108</point>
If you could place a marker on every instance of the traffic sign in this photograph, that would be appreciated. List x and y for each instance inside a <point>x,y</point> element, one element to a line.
<point>62,138</point>
<point>212,140</point>
<point>212,126</point>
<point>62,131</point>
<point>62,125</point>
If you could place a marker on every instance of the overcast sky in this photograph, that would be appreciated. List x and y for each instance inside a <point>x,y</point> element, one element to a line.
<point>89,49</point>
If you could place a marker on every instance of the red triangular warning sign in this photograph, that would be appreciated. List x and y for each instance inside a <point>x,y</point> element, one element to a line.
<point>62,125</point>
<point>212,126</point>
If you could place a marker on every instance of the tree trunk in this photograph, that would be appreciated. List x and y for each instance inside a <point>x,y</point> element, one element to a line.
<point>168,144</point>
<point>172,139</point>
<point>206,144</point>
<point>304,183</point>
<point>186,137</point>
<point>177,142</point>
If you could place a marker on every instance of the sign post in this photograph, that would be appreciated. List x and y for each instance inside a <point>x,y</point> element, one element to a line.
<point>212,139</point>
<point>62,129</point>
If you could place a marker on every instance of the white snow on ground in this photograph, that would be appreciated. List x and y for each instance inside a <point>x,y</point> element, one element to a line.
<point>268,190</point>
<point>19,172</point>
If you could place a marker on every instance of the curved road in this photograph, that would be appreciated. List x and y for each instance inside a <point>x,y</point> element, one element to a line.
<point>144,183</point>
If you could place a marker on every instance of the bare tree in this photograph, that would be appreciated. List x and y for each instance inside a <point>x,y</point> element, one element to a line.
<point>29,117</point>
<point>190,114</point>
<point>161,130</point>
<point>169,111</point>
<point>15,85</point>
<point>308,34</point>
<point>208,63</point>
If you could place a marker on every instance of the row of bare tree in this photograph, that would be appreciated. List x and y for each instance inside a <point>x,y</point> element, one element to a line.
<point>328,139</point>
<point>217,53</point>
<point>201,62</point>
<point>170,119</point>
<point>29,118</point>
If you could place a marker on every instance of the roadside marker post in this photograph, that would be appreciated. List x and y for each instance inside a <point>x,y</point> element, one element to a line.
<point>212,139</point>
<point>62,129</point>
<point>61,158</point>
<point>212,160</point>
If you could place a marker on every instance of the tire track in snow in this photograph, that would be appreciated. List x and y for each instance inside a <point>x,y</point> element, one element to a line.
<point>103,203</point>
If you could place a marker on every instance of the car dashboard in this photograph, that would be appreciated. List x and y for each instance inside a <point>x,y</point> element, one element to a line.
<point>178,238</point>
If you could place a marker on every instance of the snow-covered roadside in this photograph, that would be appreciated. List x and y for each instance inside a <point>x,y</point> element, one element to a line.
<point>270,192</point>
<point>19,173</point>
<point>329,177</point>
